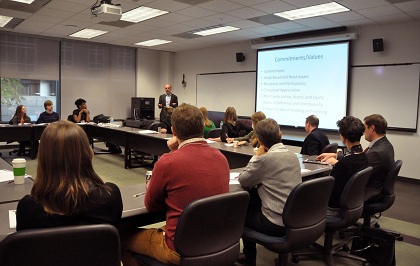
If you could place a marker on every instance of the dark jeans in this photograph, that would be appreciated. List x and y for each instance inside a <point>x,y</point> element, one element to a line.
<point>256,220</point>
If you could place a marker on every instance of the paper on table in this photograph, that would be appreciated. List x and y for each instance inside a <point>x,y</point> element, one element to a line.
<point>303,170</point>
<point>210,141</point>
<point>147,131</point>
<point>12,219</point>
<point>234,182</point>
<point>229,144</point>
<point>234,175</point>
<point>6,175</point>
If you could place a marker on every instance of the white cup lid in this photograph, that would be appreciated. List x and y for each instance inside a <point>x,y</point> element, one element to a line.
<point>19,160</point>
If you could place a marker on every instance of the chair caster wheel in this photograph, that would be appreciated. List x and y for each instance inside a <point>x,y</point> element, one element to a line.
<point>295,259</point>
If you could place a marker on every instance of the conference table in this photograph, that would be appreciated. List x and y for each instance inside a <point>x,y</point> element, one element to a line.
<point>128,137</point>
<point>134,211</point>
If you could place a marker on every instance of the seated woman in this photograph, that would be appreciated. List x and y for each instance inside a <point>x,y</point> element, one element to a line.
<point>231,126</point>
<point>166,123</point>
<point>20,117</point>
<point>81,114</point>
<point>208,124</point>
<point>351,130</point>
<point>250,137</point>
<point>67,191</point>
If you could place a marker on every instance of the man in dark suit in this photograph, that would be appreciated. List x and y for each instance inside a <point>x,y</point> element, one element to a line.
<point>167,99</point>
<point>316,139</point>
<point>380,153</point>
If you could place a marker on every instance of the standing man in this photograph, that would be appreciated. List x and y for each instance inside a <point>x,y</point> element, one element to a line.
<point>316,139</point>
<point>167,99</point>
<point>178,179</point>
<point>380,153</point>
<point>48,116</point>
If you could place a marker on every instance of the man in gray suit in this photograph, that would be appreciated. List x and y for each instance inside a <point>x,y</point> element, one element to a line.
<point>380,153</point>
<point>167,99</point>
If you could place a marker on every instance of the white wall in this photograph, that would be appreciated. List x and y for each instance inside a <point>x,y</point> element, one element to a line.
<point>401,42</point>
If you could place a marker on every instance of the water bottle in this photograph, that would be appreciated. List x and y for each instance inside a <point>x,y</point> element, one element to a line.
<point>111,119</point>
<point>221,124</point>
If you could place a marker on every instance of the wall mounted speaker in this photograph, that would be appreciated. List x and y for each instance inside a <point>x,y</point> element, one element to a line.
<point>240,57</point>
<point>378,45</point>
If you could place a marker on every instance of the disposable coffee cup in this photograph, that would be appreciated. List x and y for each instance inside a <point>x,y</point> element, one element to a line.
<point>158,130</point>
<point>19,170</point>
<point>235,143</point>
<point>148,177</point>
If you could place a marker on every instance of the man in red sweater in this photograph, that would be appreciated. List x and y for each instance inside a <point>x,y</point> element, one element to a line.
<point>192,170</point>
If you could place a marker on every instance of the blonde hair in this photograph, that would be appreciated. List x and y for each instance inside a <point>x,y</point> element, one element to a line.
<point>65,174</point>
<point>256,117</point>
<point>207,121</point>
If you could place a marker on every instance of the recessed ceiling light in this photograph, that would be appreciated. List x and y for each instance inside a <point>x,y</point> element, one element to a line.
<point>142,13</point>
<point>153,42</point>
<point>24,1</point>
<point>215,30</point>
<point>4,20</point>
<point>87,33</point>
<point>313,11</point>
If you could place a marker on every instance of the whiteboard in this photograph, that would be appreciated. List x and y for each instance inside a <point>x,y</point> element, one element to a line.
<point>392,91</point>
<point>217,91</point>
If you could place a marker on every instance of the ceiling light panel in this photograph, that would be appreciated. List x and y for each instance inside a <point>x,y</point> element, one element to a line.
<point>141,14</point>
<point>4,20</point>
<point>88,33</point>
<point>24,1</point>
<point>313,11</point>
<point>153,42</point>
<point>215,30</point>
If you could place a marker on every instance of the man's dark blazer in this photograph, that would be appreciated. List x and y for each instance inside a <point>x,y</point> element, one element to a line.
<point>162,100</point>
<point>380,157</point>
<point>314,142</point>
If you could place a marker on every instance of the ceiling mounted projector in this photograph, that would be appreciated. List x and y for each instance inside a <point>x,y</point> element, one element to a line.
<point>107,12</point>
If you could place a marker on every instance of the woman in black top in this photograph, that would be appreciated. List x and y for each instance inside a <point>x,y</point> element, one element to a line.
<point>81,113</point>
<point>351,130</point>
<point>232,127</point>
<point>67,191</point>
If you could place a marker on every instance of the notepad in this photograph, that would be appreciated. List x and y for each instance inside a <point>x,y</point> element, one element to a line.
<point>303,170</point>
<point>6,175</point>
<point>12,219</point>
<point>147,131</point>
<point>234,175</point>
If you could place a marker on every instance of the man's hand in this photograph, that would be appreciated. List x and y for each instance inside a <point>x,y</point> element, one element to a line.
<point>173,143</point>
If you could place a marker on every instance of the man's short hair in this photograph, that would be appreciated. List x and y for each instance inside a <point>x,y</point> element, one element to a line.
<point>351,128</point>
<point>47,103</point>
<point>79,102</point>
<point>378,121</point>
<point>268,132</point>
<point>313,120</point>
<point>188,122</point>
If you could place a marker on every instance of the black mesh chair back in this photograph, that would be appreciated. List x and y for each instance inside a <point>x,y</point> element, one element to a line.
<point>154,126</point>
<point>387,196</point>
<point>83,245</point>
<point>214,133</point>
<point>303,216</point>
<point>330,148</point>
<point>209,230</point>
<point>351,200</point>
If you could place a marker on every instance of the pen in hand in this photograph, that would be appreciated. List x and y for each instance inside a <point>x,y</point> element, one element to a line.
<point>139,194</point>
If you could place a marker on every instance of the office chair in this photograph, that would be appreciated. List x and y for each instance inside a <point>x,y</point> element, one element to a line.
<point>303,216</point>
<point>379,203</point>
<point>214,133</point>
<point>82,245</point>
<point>351,207</point>
<point>26,145</point>
<point>330,148</point>
<point>208,231</point>
<point>140,158</point>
